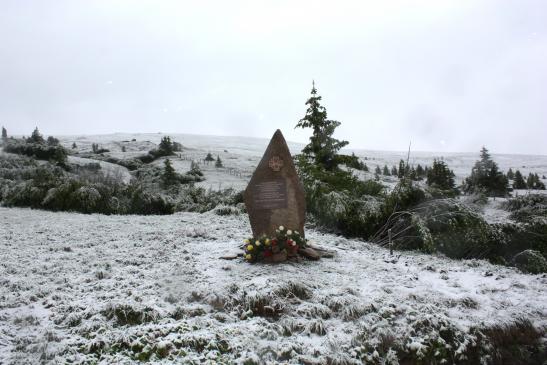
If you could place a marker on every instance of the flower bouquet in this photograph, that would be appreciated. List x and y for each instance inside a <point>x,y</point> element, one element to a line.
<point>286,243</point>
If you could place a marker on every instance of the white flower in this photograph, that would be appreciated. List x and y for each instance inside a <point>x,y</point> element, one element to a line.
<point>296,232</point>
<point>289,232</point>
<point>257,243</point>
<point>281,228</point>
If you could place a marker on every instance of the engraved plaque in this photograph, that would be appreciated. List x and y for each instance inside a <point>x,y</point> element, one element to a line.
<point>270,194</point>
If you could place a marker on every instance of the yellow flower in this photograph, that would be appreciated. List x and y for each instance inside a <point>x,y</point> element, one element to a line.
<point>250,248</point>
<point>248,257</point>
<point>267,242</point>
<point>246,241</point>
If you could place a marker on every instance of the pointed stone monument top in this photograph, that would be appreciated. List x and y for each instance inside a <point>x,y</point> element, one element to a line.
<point>275,195</point>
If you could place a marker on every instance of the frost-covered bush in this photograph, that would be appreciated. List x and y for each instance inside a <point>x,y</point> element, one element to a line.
<point>433,340</point>
<point>523,236</point>
<point>62,196</point>
<point>530,231</point>
<point>196,199</point>
<point>477,198</point>
<point>531,261</point>
<point>527,207</point>
<point>448,226</point>
<point>145,202</point>
<point>88,196</point>
<point>87,189</point>
<point>345,213</point>
<point>40,151</point>
<point>339,201</point>
<point>131,163</point>
<point>152,175</point>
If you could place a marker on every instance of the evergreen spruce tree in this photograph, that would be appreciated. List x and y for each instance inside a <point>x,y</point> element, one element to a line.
<point>218,162</point>
<point>539,185</point>
<point>169,176</point>
<point>533,182</point>
<point>378,170</point>
<point>530,181</point>
<point>319,169</point>
<point>365,167</point>
<point>194,169</point>
<point>420,172</point>
<point>498,182</point>
<point>36,137</point>
<point>124,149</point>
<point>412,174</point>
<point>440,176</point>
<point>209,158</point>
<point>394,171</point>
<point>323,147</point>
<point>74,146</point>
<point>518,182</point>
<point>486,177</point>
<point>166,146</point>
<point>4,133</point>
<point>510,174</point>
<point>386,171</point>
<point>52,141</point>
<point>402,169</point>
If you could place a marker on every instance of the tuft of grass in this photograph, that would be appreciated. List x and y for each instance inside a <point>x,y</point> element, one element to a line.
<point>125,314</point>
<point>294,290</point>
<point>317,327</point>
<point>516,343</point>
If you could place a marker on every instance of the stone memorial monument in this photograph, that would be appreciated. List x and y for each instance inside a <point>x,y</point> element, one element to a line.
<point>275,195</point>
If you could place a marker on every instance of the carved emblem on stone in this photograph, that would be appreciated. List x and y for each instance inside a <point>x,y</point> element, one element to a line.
<point>275,163</point>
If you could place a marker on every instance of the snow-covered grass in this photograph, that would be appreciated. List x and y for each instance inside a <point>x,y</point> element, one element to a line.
<point>87,288</point>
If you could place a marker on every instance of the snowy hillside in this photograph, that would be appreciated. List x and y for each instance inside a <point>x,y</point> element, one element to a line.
<point>82,288</point>
<point>240,155</point>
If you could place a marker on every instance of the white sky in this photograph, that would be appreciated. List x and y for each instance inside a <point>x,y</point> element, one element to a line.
<point>448,75</point>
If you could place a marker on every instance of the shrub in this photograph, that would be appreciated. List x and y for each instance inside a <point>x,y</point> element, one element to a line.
<point>527,207</point>
<point>98,150</point>
<point>530,261</point>
<point>144,202</point>
<point>448,226</point>
<point>131,164</point>
<point>40,151</point>
<point>197,199</point>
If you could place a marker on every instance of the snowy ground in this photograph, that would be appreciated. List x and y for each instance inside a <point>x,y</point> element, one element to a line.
<point>77,288</point>
<point>106,167</point>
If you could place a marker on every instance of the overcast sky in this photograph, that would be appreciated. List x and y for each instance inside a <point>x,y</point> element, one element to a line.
<point>448,75</point>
